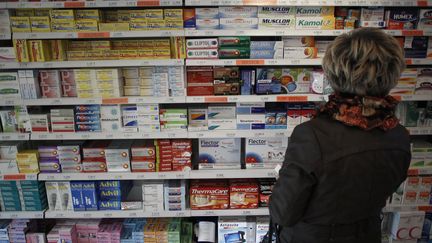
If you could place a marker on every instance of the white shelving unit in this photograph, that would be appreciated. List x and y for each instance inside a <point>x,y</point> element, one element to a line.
<point>14,136</point>
<point>308,3</point>
<point>254,62</point>
<point>92,4</point>
<point>18,177</point>
<point>420,130</point>
<point>156,214</point>
<point>99,34</point>
<point>106,135</point>
<point>22,215</point>
<point>194,174</point>
<point>100,101</point>
<point>92,64</point>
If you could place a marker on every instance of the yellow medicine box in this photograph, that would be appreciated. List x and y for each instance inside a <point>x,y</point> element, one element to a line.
<point>20,24</point>
<point>76,55</point>
<point>137,15</point>
<point>128,54</point>
<point>154,13</point>
<point>138,25</point>
<point>121,27</point>
<point>94,14</point>
<point>162,43</point>
<point>146,44</point>
<point>100,45</point>
<point>79,45</point>
<point>24,12</point>
<point>155,24</point>
<point>21,50</point>
<point>113,26</point>
<point>42,12</point>
<point>58,50</point>
<point>63,26</point>
<point>145,54</point>
<point>83,25</point>
<point>178,47</point>
<point>62,14</point>
<point>123,15</point>
<point>95,55</point>
<point>40,24</point>
<point>39,50</point>
<point>176,14</point>
<point>161,54</point>
<point>82,75</point>
<point>111,16</point>
<point>112,55</point>
<point>85,94</point>
<point>174,24</point>
<point>27,161</point>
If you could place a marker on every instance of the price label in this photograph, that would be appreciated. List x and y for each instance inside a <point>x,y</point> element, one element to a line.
<point>140,176</point>
<point>161,176</point>
<point>180,176</point>
<point>56,102</point>
<point>108,215</point>
<point>32,36</point>
<point>172,135</point>
<point>85,136</point>
<point>294,62</point>
<point>91,177</point>
<point>259,134</point>
<point>90,64</point>
<point>280,33</point>
<point>14,215</point>
<point>87,215</point>
<point>209,213</point>
<point>2,65</point>
<point>180,214</point>
<point>230,134</point>
<point>91,101</point>
<point>117,34</point>
<point>233,99</point>
<point>48,65</point>
<point>265,98</point>
<point>59,136</point>
<point>318,32</point>
<point>112,4</point>
<point>220,175</point>
<point>66,177</point>
<point>60,215</point>
<point>280,134</point>
<point>240,32</point>
<point>131,3</point>
<point>70,35</point>
<point>145,135</point>
<point>58,5</point>
<point>24,65</point>
<point>200,135</point>
<point>118,177</point>
<point>209,33</point>
<point>133,215</point>
<point>42,136</point>
<point>109,136</point>
<point>155,214</point>
<point>90,4</point>
<point>271,174</point>
<point>9,102</point>
<point>50,177</point>
<point>246,212</point>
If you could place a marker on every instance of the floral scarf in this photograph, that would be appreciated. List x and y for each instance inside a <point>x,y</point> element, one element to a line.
<point>365,112</point>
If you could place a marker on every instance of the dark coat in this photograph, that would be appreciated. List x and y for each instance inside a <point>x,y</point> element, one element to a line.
<point>335,180</point>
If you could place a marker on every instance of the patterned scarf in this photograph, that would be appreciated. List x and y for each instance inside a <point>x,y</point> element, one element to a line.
<point>365,112</point>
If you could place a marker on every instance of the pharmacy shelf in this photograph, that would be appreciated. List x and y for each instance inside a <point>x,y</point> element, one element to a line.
<point>255,98</point>
<point>92,4</point>
<point>115,214</point>
<point>407,208</point>
<point>5,36</point>
<point>18,177</point>
<point>194,174</point>
<point>308,2</point>
<point>420,130</point>
<point>418,61</point>
<point>230,212</point>
<point>291,32</point>
<point>99,35</point>
<point>92,64</point>
<point>22,215</point>
<point>113,176</point>
<point>110,101</point>
<point>240,133</point>
<point>427,170</point>
<point>106,135</point>
<point>254,62</point>
<point>14,136</point>
<point>230,174</point>
<point>182,99</point>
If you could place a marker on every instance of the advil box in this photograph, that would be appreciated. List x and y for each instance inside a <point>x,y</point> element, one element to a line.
<point>402,18</point>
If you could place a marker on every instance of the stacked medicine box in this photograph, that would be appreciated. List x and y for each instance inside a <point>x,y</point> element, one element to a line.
<point>23,196</point>
<point>175,195</point>
<point>153,196</point>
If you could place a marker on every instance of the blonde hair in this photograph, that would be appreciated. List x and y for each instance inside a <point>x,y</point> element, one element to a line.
<point>365,62</point>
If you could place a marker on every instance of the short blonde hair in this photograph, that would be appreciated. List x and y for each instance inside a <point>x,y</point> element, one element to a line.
<point>365,62</point>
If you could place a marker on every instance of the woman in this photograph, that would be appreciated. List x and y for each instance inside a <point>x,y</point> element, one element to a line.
<point>341,166</point>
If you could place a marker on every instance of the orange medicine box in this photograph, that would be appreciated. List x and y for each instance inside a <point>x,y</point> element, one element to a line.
<point>206,195</point>
<point>39,50</point>
<point>21,50</point>
<point>244,194</point>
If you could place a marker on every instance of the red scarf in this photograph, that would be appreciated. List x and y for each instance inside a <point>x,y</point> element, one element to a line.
<point>365,112</point>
